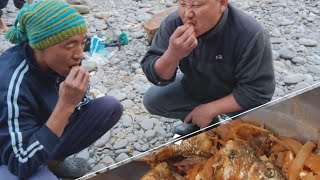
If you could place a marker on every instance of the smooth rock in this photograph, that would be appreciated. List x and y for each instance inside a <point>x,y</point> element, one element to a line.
<point>293,78</point>
<point>300,86</point>
<point>286,53</point>
<point>146,124</point>
<point>150,134</point>
<point>308,42</point>
<point>299,60</point>
<point>120,144</point>
<point>121,157</point>
<point>107,160</point>
<point>314,69</point>
<point>89,65</point>
<point>131,137</point>
<point>103,140</point>
<point>82,9</point>
<point>126,120</point>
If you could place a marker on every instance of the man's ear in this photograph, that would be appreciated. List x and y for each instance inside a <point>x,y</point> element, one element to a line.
<point>223,5</point>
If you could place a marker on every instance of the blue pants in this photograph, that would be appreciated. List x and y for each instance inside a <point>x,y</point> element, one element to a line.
<point>85,127</point>
<point>171,101</point>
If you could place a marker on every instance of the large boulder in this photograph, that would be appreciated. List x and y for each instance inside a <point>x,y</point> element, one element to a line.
<point>151,25</point>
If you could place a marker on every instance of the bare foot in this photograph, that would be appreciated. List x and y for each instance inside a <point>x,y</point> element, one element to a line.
<point>3,26</point>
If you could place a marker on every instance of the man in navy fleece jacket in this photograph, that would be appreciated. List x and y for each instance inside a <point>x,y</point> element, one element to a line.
<point>225,58</point>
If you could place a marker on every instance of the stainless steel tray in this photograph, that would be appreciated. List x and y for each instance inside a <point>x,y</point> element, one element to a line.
<point>297,117</point>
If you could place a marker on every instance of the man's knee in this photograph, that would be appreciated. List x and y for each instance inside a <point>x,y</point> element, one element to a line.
<point>150,100</point>
<point>111,107</point>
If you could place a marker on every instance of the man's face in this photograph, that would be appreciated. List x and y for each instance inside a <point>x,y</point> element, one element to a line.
<point>202,14</point>
<point>63,56</point>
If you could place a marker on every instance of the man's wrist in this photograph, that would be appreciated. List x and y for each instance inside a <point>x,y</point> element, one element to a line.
<point>171,57</point>
<point>62,107</point>
<point>214,109</point>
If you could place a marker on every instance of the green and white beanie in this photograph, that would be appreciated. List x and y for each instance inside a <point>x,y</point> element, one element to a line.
<point>46,23</point>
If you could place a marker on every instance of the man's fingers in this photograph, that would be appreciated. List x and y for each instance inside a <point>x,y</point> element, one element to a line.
<point>187,34</point>
<point>80,75</point>
<point>191,42</point>
<point>180,31</point>
<point>85,80</point>
<point>73,73</point>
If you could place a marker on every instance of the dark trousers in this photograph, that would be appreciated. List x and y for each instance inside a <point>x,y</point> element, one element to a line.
<point>88,125</point>
<point>85,127</point>
<point>172,101</point>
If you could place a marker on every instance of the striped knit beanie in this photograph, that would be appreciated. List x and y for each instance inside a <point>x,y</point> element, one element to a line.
<point>45,24</point>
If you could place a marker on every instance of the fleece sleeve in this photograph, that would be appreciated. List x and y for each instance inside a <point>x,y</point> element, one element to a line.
<point>255,74</point>
<point>158,46</point>
<point>26,143</point>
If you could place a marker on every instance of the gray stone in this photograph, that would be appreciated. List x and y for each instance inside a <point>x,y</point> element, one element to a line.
<point>120,144</point>
<point>131,137</point>
<point>101,26</point>
<point>299,60</point>
<point>99,168</point>
<point>277,40</point>
<point>285,22</point>
<point>275,55</point>
<point>136,153</point>
<point>126,120</point>
<point>92,29</point>
<point>285,53</point>
<point>293,78</point>
<point>314,69</point>
<point>146,124</point>
<point>89,65</point>
<point>107,160</point>
<point>103,140</point>
<point>80,2</point>
<point>279,92</point>
<point>279,64</point>
<point>137,146</point>
<point>150,134</point>
<point>121,157</point>
<point>127,103</point>
<point>119,151</point>
<point>160,130</point>
<point>276,33</point>
<point>82,9</point>
<point>144,147</point>
<point>101,15</point>
<point>300,86</point>
<point>153,140</point>
<point>308,79</point>
<point>308,42</point>
<point>137,35</point>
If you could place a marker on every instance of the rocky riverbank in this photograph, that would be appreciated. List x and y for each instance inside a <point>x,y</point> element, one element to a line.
<point>295,36</point>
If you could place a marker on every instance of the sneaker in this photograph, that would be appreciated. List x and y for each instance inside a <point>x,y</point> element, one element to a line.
<point>72,168</point>
<point>187,128</point>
